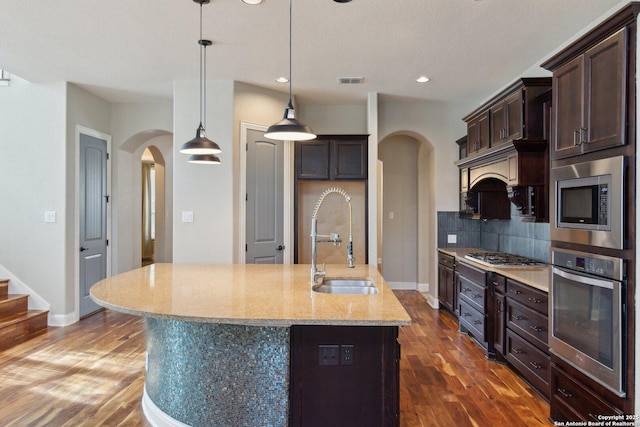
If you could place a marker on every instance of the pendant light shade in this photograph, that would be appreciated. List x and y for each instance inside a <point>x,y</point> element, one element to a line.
<point>204,159</point>
<point>290,128</point>
<point>201,148</point>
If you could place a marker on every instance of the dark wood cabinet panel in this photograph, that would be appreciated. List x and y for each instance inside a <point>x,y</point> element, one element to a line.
<point>533,364</point>
<point>364,391</point>
<point>506,119</point>
<point>472,305</point>
<point>312,159</point>
<point>446,282</point>
<point>590,99</point>
<point>332,157</point>
<point>478,134</point>
<point>498,310</point>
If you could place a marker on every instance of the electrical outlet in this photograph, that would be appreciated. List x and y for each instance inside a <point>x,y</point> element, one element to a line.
<point>346,354</point>
<point>329,355</point>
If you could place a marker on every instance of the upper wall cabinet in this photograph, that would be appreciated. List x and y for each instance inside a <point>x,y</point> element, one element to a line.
<point>513,114</point>
<point>590,99</point>
<point>331,157</point>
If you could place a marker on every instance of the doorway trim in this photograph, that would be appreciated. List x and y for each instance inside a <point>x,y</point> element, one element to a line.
<point>76,206</point>
<point>287,194</point>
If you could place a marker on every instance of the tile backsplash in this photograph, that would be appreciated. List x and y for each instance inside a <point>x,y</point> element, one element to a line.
<point>528,239</point>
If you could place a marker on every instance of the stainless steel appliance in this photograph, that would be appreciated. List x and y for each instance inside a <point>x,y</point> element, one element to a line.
<point>587,315</point>
<point>587,203</point>
<point>501,259</point>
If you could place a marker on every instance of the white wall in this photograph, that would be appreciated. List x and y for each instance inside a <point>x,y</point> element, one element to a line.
<point>33,163</point>
<point>134,127</point>
<point>335,119</point>
<point>205,190</point>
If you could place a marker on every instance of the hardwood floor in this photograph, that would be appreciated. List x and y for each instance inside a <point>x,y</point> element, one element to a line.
<point>92,374</point>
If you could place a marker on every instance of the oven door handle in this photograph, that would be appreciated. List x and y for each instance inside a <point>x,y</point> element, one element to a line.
<point>587,280</point>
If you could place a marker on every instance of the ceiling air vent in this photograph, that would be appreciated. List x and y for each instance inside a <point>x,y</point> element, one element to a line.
<point>350,80</point>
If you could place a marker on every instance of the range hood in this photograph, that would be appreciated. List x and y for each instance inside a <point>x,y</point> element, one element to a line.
<point>520,165</point>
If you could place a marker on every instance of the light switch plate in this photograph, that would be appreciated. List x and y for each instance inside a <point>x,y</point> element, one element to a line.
<point>50,216</point>
<point>187,216</point>
<point>452,238</point>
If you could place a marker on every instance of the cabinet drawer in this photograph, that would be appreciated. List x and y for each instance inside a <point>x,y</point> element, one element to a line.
<point>574,401</point>
<point>528,296</point>
<point>446,260</point>
<point>472,320</point>
<point>528,323</point>
<point>474,274</point>
<point>533,364</point>
<point>474,294</point>
<point>499,283</point>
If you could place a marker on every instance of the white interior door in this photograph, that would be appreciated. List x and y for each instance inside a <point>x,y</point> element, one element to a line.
<point>93,200</point>
<point>265,212</point>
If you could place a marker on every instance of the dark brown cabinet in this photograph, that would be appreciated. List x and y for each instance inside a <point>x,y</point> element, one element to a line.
<point>332,157</point>
<point>498,299</point>
<point>472,304</point>
<point>446,282</point>
<point>527,335</point>
<point>478,133</point>
<point>361,387</point>
<point>590,99</point>
<point>506,119</point>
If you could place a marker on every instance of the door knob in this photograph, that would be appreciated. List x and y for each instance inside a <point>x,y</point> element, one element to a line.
<point>279,248</point>
<point>82,249</point>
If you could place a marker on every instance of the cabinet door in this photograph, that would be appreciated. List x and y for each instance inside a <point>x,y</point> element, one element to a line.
<point>348,159</point>
<point>605,93</point>
<point>499,323</point>
<point>567,109</point>
<point>514,121</point>
<point>498,123</point>
<point>478,134</point>
<point>312,159</point>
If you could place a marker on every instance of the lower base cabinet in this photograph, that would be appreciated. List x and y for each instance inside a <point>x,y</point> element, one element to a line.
<point>573,401</point>
<point>345,376</point>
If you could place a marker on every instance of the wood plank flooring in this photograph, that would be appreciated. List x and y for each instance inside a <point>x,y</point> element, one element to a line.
<point>92,374</point>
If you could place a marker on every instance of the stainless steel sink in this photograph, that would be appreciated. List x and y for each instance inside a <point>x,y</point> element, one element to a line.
<point>346,286</point>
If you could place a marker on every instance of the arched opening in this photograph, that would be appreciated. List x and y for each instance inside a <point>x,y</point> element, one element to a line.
<point>408,217</point>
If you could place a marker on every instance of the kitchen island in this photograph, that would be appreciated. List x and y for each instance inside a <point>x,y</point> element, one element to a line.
<point>233,344</point>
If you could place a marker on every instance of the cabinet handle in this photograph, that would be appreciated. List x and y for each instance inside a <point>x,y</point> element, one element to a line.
<point>466,289</point>
<point>466,314</point>
<point>477,322</point>
<point>537,328</point>
<point>535,365</point>
<point>583,132</point>
<point>476,296</point>
<point>576,132</point>
<point>565,393</point>
<point>518,351</point>
<point>515,291</point>
<point>520,317</point>
<point>535,300</point>
<point>499,306</point>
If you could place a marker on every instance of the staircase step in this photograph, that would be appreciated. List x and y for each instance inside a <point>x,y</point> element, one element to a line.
<point>13,304</point>
<point>4,287</point>
<point>20,327</point>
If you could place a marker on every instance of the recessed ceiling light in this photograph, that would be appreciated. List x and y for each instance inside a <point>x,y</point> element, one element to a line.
<point>423,79</point>
<point>282,80</point>
<point>252,1</point>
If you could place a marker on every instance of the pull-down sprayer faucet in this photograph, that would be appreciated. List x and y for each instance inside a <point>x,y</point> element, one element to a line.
<point>332,237</point>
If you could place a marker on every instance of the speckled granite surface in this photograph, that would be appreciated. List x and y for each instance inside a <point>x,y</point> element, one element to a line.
<point>247,294</point>
<point>536,277</point>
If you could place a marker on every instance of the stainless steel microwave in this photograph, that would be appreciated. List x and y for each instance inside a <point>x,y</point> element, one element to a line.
<point>587,203</point>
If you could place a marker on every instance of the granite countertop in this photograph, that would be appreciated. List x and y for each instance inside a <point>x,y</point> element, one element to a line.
<point>248,294</point>
<point>536,277</point>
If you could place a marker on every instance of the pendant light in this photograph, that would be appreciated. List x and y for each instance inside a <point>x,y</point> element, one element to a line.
<point>201,147</point>
<point>290,128</point>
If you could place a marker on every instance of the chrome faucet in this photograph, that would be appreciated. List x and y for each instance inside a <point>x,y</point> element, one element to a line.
<point>332,237</point>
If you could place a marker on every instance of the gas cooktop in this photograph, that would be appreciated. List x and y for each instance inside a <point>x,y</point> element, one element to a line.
<point>500,259</point>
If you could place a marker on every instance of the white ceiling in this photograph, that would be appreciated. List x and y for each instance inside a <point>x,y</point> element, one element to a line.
<point>132,50</point>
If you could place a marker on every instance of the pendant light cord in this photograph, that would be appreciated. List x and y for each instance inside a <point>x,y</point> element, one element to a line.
<point>201,43</point>
<point>290,49</point>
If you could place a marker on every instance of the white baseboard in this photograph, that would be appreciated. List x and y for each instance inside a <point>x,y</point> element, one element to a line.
<point>433,302</point>
<point>62,319</point>
<point>156,416</point>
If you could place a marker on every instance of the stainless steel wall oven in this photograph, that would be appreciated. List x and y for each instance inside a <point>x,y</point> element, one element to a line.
<point>587,203</point>
<point>587,315</point>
